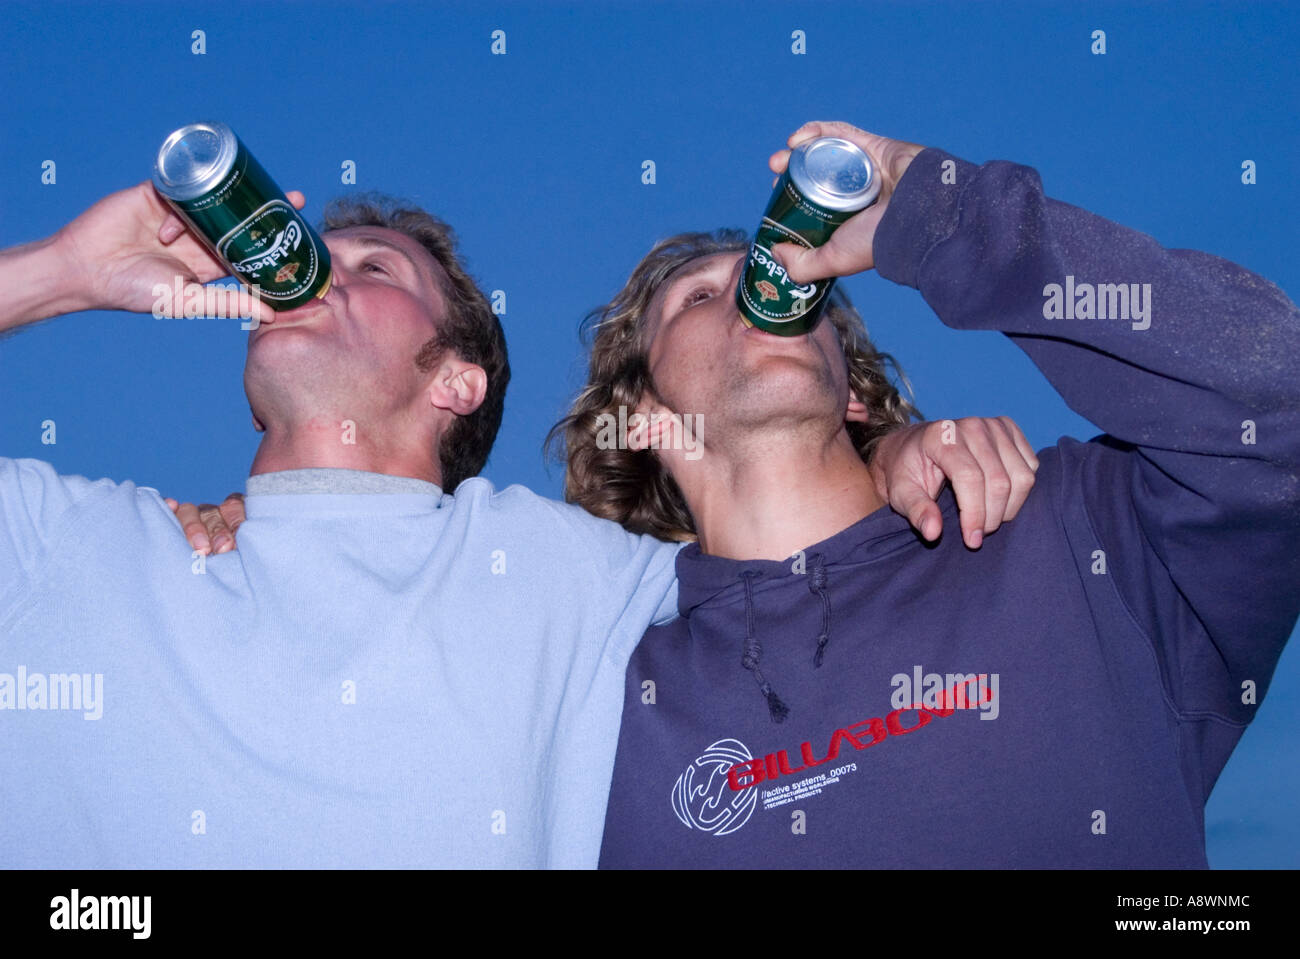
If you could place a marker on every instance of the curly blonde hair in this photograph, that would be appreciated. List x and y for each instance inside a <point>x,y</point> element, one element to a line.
<point>631,487</point>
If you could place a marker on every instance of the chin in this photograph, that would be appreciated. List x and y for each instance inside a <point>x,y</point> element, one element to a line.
<point>775,392</point>
<point>801,373</point>
<point>286,358</point>
<point>286,344</point>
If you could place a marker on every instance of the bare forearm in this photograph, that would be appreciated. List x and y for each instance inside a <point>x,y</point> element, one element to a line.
<point>39,282</point>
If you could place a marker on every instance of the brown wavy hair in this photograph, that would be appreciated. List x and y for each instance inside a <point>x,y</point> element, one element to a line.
<point>631,487</point>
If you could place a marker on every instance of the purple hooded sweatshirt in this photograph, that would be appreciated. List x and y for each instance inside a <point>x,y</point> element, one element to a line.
<point>1067,695</point>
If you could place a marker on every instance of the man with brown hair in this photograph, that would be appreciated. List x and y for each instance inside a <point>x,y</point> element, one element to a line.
<point>401,665</point>
<point>384,672</point>
<point>819,701</point>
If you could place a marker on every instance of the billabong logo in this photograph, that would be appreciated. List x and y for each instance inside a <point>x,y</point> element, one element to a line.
<point>701,797</point>
<point>718,792</point>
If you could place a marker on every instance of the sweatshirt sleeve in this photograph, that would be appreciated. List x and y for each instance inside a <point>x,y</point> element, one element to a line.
<point>633,577</point>
<point>1186,361</point>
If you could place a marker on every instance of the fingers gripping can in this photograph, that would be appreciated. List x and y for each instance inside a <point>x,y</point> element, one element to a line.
<point>828,180</point>
<point>218,187</point>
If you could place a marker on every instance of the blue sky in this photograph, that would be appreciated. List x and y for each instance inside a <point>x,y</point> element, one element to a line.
<point>536,158</point>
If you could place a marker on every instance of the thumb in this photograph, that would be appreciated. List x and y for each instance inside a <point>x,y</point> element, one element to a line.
<point>804,265</point>
<point>911,499</point>
<point>171,228</point>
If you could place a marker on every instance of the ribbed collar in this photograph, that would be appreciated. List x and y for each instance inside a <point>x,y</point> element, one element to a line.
<point>701,577</point>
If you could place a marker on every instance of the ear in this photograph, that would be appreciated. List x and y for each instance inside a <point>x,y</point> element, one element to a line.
<point>649,426</point>
<point>856,411</point>
<point>457,386</point>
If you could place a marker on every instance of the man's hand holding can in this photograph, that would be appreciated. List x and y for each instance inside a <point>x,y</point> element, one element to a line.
<point>849,250</point>
<point>114,254</point>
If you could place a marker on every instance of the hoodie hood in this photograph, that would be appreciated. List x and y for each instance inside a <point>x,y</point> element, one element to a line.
<point>705,581</point>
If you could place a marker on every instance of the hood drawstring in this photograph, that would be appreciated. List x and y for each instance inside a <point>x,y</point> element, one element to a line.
<point>817,584</point>
<point>754,651</point>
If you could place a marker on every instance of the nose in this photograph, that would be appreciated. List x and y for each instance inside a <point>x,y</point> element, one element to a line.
<point>336,291</point>
<point>733,281</point>
<point>739,268</point>
<point>340,278</point>
<point>340,275</point>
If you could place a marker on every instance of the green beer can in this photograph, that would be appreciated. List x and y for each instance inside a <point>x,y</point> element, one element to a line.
<point>218,187</point>
<point>828,180</point>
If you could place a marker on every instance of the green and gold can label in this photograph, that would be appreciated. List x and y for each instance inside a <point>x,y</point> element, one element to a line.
<point>210,178</point>
<point>272,249</point>
<point>842,176</point>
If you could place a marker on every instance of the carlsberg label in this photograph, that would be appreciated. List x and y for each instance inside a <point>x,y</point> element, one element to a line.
<point>811,199</point>
<point>270,248</point>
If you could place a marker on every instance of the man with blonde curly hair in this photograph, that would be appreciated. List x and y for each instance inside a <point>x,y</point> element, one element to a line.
<point>819,701</point>
<point>615,479</point>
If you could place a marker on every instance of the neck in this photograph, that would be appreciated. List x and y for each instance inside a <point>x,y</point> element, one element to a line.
<point>329,446</point>
<point>770,505</point>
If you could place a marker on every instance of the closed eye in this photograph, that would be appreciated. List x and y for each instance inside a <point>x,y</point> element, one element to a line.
<point>368,264</point>
<point>698,295</point>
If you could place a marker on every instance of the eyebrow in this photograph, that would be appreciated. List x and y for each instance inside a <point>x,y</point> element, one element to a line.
<point>693,268</point>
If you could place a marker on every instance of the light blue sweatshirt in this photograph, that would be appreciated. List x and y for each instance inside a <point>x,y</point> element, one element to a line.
<point>400,679</point>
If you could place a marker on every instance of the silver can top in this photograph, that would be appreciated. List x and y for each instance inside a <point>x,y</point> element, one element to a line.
<point>834,174</point>
<point>194,159</point>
